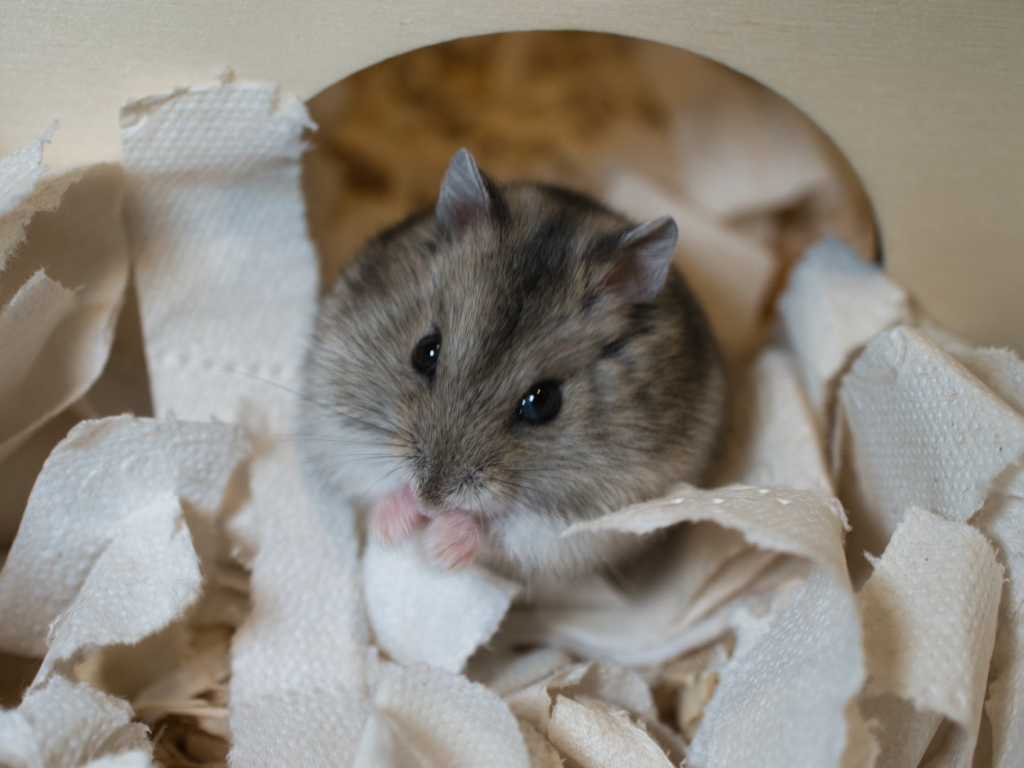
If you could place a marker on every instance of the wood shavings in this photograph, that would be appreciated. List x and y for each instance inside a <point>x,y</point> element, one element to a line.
<point>683,687</point>
<point>756,177</point>
<point>181,742</point>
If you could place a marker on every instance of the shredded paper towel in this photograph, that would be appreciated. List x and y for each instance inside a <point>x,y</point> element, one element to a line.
<point>184,587</point>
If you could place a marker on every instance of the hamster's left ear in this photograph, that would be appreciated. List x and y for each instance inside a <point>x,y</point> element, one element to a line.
<point>465,196</point>
<point>641,259</point>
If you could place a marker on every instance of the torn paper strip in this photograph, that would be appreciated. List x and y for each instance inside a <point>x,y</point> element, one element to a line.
<point>106,489</point>
<point>820,619</point>
<point>1000,369</point>
<point>686,602</point>
<point>506,671</point>
<point>930,427</point>
<point>834,304</point>
<point>598,735</point>
<point>153,568</point>
<point>772,438</point>
<point>60,294</point>
<point>63,723</point>
<point>923,430</point>
<point>441,720</point>
<point>595,713</point>
<point>1002,520</point>
<point>598,680</point>
<point>225,274</point>
<point>803,670</point>
<point>105,557</point>
<point>27,322</point>
<point>929,611</point>
<point>300,662</point>
<point>136,758</point>
<point>420,614</point>
<point>20,175</point>
<point>227,286</point>
<point>542,752</point>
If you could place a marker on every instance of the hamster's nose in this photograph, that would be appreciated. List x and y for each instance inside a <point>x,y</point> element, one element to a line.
<point>430,472</point>
<point>442,475</point>
<point>431,496</point>
<point>437,489</point>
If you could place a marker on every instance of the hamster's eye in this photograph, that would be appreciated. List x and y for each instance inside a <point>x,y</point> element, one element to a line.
<point>425,354</point>
<point>540,403</point>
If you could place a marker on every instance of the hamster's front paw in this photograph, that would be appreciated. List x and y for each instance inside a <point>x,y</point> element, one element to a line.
<point>395,517</point>
<point>452,537</point>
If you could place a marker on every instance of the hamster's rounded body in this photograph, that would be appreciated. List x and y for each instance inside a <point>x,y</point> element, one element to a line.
<point>513,361</point>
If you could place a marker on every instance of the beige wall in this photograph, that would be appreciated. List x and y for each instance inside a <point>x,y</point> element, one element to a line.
<point>926,97</point>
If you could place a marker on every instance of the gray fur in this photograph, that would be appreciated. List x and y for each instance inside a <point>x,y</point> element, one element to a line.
<point>532,291</point>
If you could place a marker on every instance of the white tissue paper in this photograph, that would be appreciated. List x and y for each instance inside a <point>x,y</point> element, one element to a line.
<point>851,302</point>
<point>944,458</point>
<point>227,283</point>
<point>1002,519</point>
<point>453,613</point>
<point>939,580</point>
<point>815,629</point>
<point>960,458</point>
<point>431,718</point>
<point>180,573</point>
<point>104,556</point>
<point>67,723</point>
<point>64,266</point>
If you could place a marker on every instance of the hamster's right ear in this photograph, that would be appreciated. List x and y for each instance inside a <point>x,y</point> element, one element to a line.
<point>465,195</point>
<point>641,257</point>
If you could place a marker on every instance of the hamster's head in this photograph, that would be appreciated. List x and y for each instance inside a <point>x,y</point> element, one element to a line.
<point>513,361</point>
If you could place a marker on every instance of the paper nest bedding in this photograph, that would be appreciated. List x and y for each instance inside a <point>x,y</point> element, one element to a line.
<point>184,587</point>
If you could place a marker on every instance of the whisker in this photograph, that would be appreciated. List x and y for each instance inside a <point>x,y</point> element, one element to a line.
<point>521,486</point>
<point>346,458</point>
<point>313,400</point>
<point>320,438</point>
<point>383,477</point>
<point>305,461</point>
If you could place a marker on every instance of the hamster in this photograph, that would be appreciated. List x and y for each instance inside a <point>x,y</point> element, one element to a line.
<point>515,360</point>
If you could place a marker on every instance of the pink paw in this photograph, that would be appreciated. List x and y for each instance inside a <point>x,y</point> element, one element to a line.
<point>395,517</point>
<point>452,539</point>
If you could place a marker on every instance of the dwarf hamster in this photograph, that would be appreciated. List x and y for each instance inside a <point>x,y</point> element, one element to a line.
<point>512,361</point>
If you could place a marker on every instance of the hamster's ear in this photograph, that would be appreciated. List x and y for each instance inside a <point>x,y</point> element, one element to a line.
<point>642,257</point>
<point>465,197</point>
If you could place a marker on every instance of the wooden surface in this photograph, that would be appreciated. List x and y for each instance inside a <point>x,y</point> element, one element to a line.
<point>925,97</point>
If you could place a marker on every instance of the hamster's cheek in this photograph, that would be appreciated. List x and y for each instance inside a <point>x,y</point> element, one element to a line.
<point>375,479</point>
<point>362,477</point>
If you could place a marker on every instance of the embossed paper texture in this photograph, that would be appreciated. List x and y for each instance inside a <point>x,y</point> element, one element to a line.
<point>180,584</point>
